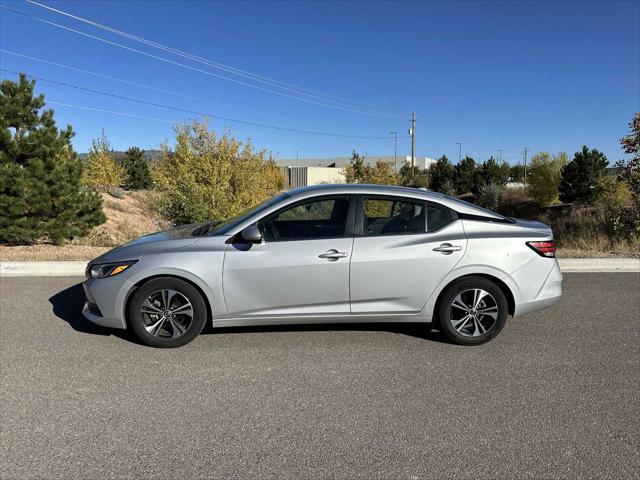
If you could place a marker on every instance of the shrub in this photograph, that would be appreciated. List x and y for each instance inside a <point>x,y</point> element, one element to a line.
<point>101,171</point>
<point>116,192</point>
<point>516,202</point>
<point>490,195</point>
<point>40,191</point>
<point>612,194</point>
<point>544,177</point>
<point>206,177</point>
<point>382,173</point>
<point>416,178</point>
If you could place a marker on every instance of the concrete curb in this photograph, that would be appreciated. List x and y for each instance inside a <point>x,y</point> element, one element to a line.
<point>69,269</point>
<point>42,269</point>
<point>574,265</point>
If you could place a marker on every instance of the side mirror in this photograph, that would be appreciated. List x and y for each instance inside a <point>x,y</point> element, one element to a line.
<point>252,234</point>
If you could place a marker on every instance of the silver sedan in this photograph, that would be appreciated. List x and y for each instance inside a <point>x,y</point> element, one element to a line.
<point>325,254</point>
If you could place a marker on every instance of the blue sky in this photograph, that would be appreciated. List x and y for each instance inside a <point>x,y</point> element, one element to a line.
<point>494,75</point>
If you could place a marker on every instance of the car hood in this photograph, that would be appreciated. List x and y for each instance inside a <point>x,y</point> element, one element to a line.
<point>164,241</point>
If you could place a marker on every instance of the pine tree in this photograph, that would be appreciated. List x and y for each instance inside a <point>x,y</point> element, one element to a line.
<point>493,172</point>
<point>138,175</point>
<point>442,175</point>
<point>40,192</point>
<point>465,175</point>
<point>580,176</point>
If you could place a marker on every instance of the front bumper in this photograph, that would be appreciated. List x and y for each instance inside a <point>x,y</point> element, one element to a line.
<point>106,300</point>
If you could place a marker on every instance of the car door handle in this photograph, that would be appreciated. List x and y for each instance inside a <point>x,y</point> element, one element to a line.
<point>333,255</point>
<point>447,248</point>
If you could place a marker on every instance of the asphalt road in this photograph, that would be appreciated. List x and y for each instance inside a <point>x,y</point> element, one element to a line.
<point>556,395</point>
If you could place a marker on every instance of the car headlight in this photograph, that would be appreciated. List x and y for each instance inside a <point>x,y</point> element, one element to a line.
<point>102,270</point>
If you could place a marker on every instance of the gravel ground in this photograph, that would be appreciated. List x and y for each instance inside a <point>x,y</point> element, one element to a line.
<point>554,396</point>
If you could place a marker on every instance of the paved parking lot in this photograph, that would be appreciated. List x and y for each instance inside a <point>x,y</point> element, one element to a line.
<point>554,396</point>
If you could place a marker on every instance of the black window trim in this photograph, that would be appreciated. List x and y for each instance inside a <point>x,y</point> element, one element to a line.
<point>482,218</point>
<point>359,217</point>
<point>350,221</point>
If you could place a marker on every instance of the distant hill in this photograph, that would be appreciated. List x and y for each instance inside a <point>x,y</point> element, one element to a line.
<point>149,155</point>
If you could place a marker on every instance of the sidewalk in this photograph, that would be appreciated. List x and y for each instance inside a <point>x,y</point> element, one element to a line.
<point>64,269</point>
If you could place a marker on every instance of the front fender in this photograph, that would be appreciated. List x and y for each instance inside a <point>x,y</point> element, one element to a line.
<point>212,296</point>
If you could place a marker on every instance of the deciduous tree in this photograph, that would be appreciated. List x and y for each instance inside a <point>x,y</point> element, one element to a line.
<point>630,170</point>
<point>544,177</point>
<point>102,171</point>
<point>210,177</point>
<point>382,173</point>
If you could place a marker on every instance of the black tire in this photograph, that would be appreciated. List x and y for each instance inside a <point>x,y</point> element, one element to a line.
<point>138,320</point>
<point>465,287</point>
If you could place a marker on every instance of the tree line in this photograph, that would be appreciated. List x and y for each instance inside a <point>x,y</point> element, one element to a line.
<point>47,193</point>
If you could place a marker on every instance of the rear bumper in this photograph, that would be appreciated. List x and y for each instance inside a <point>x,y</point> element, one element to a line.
<point>549,293</point>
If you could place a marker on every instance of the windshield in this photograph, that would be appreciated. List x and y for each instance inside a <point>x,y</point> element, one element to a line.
<point>221,228</point>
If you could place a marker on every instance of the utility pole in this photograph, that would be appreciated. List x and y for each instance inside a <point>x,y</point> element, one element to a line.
<point>395,150</point>
<point>459,151</point>
<point>297,162</point>
<point>500,150</point>
<point>525,165</point>
<point>412,132</point>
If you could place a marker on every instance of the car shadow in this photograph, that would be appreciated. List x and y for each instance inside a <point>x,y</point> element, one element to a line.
<point>417,330</point>
<point>68,303</point>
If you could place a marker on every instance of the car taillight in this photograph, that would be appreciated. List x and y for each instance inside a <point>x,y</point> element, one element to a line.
<point>544,249</point>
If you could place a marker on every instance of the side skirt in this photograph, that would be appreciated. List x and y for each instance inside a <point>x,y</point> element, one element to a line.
<point>318,319</point>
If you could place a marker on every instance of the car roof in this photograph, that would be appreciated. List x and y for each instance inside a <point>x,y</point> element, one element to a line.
<point>394,190</point>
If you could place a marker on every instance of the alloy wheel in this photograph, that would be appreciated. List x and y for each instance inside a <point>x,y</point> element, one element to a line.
<point>167,313</point>
<point>473,312</point>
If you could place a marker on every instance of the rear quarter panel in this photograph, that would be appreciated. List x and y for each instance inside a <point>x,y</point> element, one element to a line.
<point>499,250</point>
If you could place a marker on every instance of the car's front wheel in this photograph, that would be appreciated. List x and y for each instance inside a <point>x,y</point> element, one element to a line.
<point>472,311</point>
<point>167,312</point>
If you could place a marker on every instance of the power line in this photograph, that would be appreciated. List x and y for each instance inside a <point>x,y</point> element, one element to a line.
<point>129,82</point>
<point>112,112</point>
<point>194,112</point>
<point>189,67</point>
<point>228,68</point>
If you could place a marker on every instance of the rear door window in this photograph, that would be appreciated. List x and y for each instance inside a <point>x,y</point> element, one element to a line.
<point>391,216</point>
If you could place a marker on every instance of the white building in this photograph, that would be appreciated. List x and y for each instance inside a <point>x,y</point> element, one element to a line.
<point>315,171</point>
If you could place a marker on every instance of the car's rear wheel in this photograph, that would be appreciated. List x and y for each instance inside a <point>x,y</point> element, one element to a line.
<point>167,312</point>
<point>472,311</point>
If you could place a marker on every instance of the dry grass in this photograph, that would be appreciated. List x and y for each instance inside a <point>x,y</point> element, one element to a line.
<point>127,218</point>
<point>590,253</point>
<point>29,253</point>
